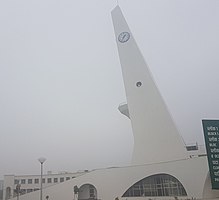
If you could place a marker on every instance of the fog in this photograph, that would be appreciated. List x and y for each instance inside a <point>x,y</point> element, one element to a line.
<point>61,80</point>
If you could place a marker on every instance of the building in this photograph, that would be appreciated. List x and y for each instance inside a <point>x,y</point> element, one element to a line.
<point>31,183</point>
<point>162,166</point>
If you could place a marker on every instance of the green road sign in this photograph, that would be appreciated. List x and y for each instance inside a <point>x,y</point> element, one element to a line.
<point>211,133</point>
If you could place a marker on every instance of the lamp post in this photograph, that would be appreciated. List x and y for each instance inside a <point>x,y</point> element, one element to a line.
<point>18,187</point>
<point>41,160</point>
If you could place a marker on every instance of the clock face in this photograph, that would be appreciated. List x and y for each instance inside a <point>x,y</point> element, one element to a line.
<point>124,37</point>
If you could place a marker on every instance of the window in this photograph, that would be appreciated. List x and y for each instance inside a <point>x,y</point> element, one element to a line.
<point>156,185</point>
<point>16,181</point>
<point>29,181</point>
<point>23,181</point>
<point>138,84</point>
<point>92,191</point>
<point>35,189</point>
<point>62,179</point>
<point>43,180</point>
<point>29,190</point>
<point>55,180</point>
<point>36,180</point>
<point>192,147</point>
<point>49,180</point>
<point>67,178</point>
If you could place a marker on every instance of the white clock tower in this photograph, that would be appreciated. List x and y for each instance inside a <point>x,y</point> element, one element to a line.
<point>156,138</point>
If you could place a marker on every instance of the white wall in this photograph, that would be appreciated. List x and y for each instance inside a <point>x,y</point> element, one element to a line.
<point>113,182</point>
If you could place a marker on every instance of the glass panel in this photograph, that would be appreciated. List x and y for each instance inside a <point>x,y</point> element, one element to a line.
<point>29,181</point>
<point>156,185</point>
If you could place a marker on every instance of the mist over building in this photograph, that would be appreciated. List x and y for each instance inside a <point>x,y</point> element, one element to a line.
<point>162,166</point>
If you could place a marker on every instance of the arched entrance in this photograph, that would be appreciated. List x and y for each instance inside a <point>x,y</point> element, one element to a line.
<point>87,192</point>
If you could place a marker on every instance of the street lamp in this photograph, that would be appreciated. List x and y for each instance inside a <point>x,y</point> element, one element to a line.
<point>18,187</point>
<point>41,160</point>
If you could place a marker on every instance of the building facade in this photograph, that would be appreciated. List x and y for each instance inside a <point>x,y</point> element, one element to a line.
<point>31,183</point>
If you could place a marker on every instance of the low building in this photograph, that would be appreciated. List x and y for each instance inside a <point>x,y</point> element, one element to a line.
<point>31,183</point>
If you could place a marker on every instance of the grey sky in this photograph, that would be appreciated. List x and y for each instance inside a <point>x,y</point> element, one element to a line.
<point>61,82</point>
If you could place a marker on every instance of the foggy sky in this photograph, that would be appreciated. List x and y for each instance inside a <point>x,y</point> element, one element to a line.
<point>61,80</point>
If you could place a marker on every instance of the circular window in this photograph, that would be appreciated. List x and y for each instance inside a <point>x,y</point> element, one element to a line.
<point>139,84</point>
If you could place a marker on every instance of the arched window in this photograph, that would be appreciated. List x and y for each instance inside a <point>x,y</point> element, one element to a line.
<point>87,192</point>
<point>156,185</point>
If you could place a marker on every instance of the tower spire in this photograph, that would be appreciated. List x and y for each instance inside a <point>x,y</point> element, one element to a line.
<point>156,138</point>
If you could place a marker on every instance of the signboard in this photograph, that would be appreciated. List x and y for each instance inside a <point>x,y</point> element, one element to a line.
<point>211,133</point>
